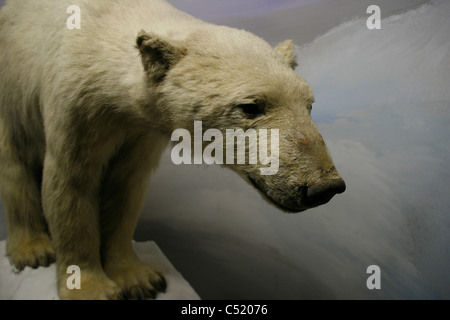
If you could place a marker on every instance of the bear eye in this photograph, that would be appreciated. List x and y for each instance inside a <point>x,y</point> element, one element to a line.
<point>251,110</point>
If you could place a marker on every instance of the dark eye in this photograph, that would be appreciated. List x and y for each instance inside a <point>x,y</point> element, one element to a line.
<point>251,110</point>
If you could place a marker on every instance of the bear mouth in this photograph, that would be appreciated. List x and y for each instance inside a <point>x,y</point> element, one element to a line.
<point>272,201</point>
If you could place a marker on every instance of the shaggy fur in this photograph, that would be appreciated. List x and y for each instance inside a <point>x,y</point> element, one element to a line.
<point>85,115</point>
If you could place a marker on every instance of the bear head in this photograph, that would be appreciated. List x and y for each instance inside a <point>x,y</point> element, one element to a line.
<point>230,79</point>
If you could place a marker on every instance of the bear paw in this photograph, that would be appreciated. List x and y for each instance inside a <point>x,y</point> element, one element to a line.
<point>32,251</point>
<point>94,286</point>
<point>136,279</point>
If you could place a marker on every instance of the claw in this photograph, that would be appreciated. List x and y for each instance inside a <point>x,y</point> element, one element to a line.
<point>160,284</point>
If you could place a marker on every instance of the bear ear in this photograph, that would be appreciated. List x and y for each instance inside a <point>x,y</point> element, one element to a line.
<point>286,49</point>
<point>158,55</point>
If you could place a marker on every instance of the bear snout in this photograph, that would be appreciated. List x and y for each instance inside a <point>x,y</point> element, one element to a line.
<point>323,192</point>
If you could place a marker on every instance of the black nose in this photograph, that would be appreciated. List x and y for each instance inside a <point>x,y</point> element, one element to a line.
<point>323,192</point>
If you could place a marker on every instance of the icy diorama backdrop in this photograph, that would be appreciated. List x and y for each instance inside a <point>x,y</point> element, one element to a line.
<point>383,107</point>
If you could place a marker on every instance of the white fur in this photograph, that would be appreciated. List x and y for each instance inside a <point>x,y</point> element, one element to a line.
<point>85,115</point>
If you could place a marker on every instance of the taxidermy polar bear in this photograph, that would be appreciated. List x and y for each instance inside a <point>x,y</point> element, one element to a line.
<point>86,113</point>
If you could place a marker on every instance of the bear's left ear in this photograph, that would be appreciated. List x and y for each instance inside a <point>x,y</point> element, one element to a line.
<point>158,55</point>
<point>286,49</point>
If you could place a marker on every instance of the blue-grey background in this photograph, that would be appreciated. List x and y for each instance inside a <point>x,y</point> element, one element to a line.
<point>383,107</point>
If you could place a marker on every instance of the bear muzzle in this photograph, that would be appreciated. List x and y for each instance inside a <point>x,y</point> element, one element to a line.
<point>322,193</point>
<point>305,197</point>
<point>314,196</point>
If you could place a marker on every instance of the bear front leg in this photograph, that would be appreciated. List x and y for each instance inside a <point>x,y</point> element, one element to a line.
<point>122,198</point>
<point>71,206</point>
<point>28,242</point>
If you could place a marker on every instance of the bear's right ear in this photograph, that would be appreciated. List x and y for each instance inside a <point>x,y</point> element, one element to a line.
<point>158,55</point>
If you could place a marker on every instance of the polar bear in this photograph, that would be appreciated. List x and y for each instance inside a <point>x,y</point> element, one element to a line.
<point>86,113</point>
